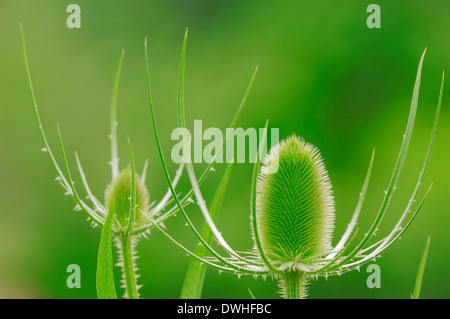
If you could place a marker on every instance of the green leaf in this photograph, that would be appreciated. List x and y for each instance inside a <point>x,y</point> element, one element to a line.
<point>421,271</point>
<point>113,120</point>
<point>105,275</point>
<point>251,294</point>
<point>195,276</point>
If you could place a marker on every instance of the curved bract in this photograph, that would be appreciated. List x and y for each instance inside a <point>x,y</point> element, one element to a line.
<point>292,211</point>
<point>294,206</point>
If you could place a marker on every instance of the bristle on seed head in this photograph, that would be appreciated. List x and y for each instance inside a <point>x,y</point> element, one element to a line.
<point>295,205</point>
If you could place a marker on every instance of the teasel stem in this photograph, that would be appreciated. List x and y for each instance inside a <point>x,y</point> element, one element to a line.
<point>293,283</point>
<point>126,255</point>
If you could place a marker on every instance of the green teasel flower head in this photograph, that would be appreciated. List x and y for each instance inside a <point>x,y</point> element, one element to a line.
<point>292,214</point>
<point>118,195</point>
<point>294,205</point>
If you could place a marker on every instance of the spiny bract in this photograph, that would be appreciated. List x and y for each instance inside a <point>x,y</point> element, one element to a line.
<point>118,195</point>
<point>294,206</point>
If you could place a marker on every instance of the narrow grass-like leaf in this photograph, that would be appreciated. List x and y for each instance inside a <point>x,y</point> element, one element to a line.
<point>113,120</point>
<point>421,271</point>
<point>144,172</point>
<point>195,276</point>
<point>105,275</point>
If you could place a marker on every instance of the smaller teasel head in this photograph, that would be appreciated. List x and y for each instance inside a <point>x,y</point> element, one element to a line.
<point>118,195</point>
<point>294,205</point>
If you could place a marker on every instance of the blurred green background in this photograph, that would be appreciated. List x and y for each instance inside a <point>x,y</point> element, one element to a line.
<point>323,74</point>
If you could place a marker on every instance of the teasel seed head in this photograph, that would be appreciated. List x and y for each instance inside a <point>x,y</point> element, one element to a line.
<point>294,205</point>
<point>118,193</point>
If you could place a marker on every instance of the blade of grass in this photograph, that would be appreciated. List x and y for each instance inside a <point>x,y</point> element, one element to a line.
<point>144,172</point>
<point>421,271</point>
<point>195,276</point>
<point>105,275</point>
<point>113,120</point>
